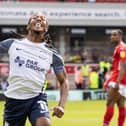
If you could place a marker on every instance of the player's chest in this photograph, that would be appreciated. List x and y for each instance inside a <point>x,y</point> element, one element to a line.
<point>30,57</point>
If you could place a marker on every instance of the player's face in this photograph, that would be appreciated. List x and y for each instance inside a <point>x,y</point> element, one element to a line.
<point>38,23</point>
<point>115,37</point>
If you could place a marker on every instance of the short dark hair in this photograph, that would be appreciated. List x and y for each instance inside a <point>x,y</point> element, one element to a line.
<point>120,32</point>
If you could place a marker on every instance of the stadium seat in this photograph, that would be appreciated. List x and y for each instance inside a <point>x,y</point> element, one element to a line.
<point>49,0</point>
<point>39,0</point>
<point>111,1</point>
<point>84,0</point>
<point>75,0</point>
<point>71,0</point>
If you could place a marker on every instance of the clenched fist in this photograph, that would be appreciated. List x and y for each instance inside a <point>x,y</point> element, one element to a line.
<point>58,111</point>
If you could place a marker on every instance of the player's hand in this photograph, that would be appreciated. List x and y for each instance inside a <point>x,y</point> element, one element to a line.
<point>58,111</point>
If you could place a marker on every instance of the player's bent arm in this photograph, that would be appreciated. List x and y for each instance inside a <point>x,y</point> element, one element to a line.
<point>121,71</point>
<point>64,88</point>
<point>58,67</point>
<point>58,111</point>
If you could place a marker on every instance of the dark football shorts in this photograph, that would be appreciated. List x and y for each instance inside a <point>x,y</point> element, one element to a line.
<point>17,111</point>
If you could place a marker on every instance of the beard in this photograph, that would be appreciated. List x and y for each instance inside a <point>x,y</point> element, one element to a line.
<point>37,32</point>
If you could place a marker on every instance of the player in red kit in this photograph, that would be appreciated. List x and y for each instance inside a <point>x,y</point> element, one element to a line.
<point>116,85</point>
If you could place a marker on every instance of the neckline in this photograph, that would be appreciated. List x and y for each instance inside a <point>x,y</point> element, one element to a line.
<point>34,43</point>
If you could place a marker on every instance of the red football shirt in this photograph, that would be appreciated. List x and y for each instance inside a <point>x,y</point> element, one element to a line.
<point>118,55</point>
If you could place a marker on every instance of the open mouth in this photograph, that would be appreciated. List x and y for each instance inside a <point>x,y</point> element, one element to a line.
<point>38,25</point>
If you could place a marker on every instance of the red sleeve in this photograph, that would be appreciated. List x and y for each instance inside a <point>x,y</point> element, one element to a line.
<point>122,53</point>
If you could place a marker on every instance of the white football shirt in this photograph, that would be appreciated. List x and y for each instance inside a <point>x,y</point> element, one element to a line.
<point>29,65</point>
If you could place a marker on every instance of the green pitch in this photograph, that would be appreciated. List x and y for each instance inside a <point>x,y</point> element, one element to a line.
<point>84,113</point>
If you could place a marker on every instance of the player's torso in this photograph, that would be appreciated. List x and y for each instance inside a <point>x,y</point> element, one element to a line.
<point>119,50</point>
<point>29,64</point>
<point>29,58</point>
<point>115,59</point>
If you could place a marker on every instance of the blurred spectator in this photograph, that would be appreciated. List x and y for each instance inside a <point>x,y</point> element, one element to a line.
<point>94,79</point>
<point>85,72</point>
<point>0,84</point>
<point>95,55</point>
<point>78,78</point>
<point>4,58</point>
<point>49,85</point>
<point>101,66</point>
<point>76,58</point>
<point>107,65</point>
<point>100,79</point>
<point>3,83</point>
<point>88,56</point>
<point>104,65</point>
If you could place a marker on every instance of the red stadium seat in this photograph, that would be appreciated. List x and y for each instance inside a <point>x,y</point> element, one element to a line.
<point>71,0</point>
<point>75,0</point>
<point>38,0</point>
<point>111,1</point>
<point>49,0</point>
<point>84,0</point>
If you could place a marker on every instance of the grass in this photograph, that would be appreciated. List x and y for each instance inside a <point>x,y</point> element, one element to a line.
<point>83,113</point>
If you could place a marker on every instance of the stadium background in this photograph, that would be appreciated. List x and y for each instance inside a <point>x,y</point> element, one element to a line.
<point>77,28</point>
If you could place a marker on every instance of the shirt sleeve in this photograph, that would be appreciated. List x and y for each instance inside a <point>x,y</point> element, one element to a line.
<point>122,54</point>
<point>58,63</point>
<point>5,45</point>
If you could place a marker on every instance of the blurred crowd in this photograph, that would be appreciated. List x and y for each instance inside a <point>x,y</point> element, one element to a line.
<point>91,55</point>
<point>87,77</point>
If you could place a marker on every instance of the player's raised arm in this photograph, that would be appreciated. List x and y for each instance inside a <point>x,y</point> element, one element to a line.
<point>5,45</point>
<point>59,70</point>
